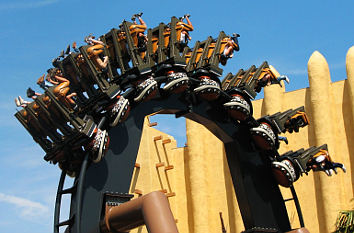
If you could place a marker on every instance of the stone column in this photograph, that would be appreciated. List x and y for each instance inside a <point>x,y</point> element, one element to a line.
<point>327,195</point>
<point>349,162</point>
<point>273,96</point>
<point>196,164</point>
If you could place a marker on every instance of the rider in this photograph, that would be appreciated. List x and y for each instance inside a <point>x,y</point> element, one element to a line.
<point>55,77</point>
<point>30,94</point>
<point>185,29</point>
<point>137,31</point>
<point>94,50</point>
<point>271,76</point>
<point>231,45</point>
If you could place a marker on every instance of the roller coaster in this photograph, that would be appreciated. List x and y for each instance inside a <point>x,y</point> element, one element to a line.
<point>89,121</point>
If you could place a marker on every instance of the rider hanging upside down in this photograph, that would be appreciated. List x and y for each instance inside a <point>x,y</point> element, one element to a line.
<point>55,77</point>
<point>95,50</point>
<point>270,76</point>
<point>30,94</point>
<point>231,45</point>
<point>185,28</point>
<point>288,167</point>
<point>137,32</point>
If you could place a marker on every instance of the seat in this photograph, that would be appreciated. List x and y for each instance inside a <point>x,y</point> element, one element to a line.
<point>192,62</point>
<point>202,59</point>
<point>102,78</point>
<point>159,44</point>
<point>78,82</point>
<point>43,122</point>
<point>139,66</point>
<point>206,55</point>
<point>53,115</point>
<point>241,81</point>
<point>187,54</point>
<point>85,126</point>
<point>153,40</point>
<point>236,79</point>
<point>39,134</point>
<point>225,83</point>
<point>290,120</point>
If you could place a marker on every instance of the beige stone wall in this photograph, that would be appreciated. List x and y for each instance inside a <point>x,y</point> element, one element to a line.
<point>329,106</point>
<point>199,184</point>
<point>197,180</point>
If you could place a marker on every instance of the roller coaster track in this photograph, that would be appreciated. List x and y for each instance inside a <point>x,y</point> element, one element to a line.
<point>194,97</point>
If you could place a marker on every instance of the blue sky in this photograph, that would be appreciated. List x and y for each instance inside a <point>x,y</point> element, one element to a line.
<point>33,32</point>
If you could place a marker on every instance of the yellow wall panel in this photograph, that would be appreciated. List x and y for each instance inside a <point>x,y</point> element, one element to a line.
<point>199,183</point>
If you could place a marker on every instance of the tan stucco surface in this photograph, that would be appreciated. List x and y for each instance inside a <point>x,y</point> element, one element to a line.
<point>199,185</point>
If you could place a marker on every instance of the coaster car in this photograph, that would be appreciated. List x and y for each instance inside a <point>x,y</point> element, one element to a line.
<point>254,79</point>
<point>85,127</point>
<point>31,124</point>
<point>269,76</point>
<point>166,61</point>
<point>239,106</point>
<point>62,134</point>
<point>207,54</point>
<point>266,134</point>
<point>296,121</point>
<point>244,86</point>
<point>128,46</point>
<point>90,99</point>
<point>288,167</point>
<point>203,64</point>
<point>208,88</point>
<point>135,70</point>
<point>99,74</point>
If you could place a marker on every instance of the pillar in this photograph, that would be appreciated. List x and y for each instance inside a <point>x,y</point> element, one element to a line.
<point>328,199</point>
<point>349,162</point>
<point>197,177</point>
<point>273,96</point>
